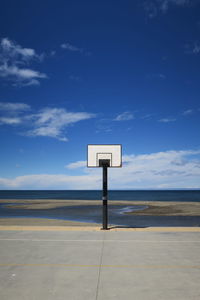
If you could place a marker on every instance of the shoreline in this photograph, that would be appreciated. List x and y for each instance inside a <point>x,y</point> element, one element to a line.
<point>152,208</point>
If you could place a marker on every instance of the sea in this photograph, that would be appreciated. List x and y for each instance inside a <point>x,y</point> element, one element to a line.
<point>93,213</point>
<point>133,195</point>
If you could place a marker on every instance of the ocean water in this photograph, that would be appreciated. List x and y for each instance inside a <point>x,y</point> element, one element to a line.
<point>186,195</point>
<point>93,213</point>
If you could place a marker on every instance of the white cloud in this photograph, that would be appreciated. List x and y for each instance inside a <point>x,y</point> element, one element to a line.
<point>20,74</point>
<point>188,112</point>
<point>175,169</point>
<point>147,117</point>
<point>11,49</point>
<point>164,4</point>
<point>46,181</point>
<point>49,131</point>
<point>169,169</point>
<point>125,116</point>
<point>35,82</point>
<point>196,48</point>
<point>9,106</point>
<point>10,120</point>
<point>26,73</point>
<point>13,58</point>
<point>10,113</point>
<point>154,7</point>
<point>70,47</point>
<point>76,165</point>
<point>51,122</point>
<point>167,120</point>
<point>192,48</point>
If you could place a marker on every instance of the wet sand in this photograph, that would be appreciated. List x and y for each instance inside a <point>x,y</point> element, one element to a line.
<point>153,208</point>
<point>169,209</point>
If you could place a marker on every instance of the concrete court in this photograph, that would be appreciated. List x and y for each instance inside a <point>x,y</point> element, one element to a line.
<point>99,265</point>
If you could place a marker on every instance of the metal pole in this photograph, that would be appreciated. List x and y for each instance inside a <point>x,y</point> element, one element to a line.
<point>105,198</point>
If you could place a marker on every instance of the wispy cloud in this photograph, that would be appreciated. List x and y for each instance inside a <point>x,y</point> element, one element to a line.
<point>10,120</point>
<point>46,181</point>
<point>107,125</point>
<point>11,49</point>
<point>192,48</point>
<point>167,120</point>
<point>104,125</point>
<point>72,48</point>
<point>165,4</point>
<point>125,116</point>
<point>76,165</point>
<point>148,117</point>
<point>177,117</point>
<point>169,169</point>
<point>9,106</point>
<point>150,8</point>
<point>188,112</point>
<point>11,113</point>
<point>48,122</point>
<point>51,122</point>
<point>13,59</point>
<point>155,7</point>
<point>75,78</point>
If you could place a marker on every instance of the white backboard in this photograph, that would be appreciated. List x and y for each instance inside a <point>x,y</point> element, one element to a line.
<point>96,153</point>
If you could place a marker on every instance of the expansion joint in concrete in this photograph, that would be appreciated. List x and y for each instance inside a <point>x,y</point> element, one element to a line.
<point>100,266</point>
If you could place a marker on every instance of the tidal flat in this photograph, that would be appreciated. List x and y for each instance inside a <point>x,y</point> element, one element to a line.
<point>89,213</point>
<point>139,208</point>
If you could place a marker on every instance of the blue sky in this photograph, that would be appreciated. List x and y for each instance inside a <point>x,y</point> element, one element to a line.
<point>74,73</point>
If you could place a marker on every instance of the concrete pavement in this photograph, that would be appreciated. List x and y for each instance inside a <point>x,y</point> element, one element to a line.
<point>99,265</point>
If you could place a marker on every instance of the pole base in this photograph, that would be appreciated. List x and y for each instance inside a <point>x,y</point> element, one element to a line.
<point>104,228</point>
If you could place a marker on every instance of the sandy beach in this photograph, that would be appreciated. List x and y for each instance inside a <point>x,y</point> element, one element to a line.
<point>43,222</point>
